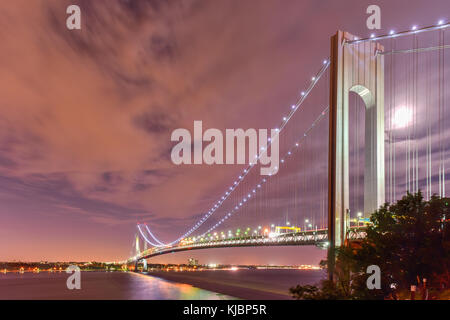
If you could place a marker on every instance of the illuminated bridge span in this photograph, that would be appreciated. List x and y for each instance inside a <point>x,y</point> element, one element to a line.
<point>369,126</point>
<point>318,238</point>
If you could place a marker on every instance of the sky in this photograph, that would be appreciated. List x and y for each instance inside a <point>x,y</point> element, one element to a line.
<point>86,115</point>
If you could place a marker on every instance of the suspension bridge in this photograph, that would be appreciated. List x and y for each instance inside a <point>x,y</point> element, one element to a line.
<point>368,127</point>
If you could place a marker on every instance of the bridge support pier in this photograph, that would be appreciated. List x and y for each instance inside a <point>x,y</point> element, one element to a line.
<point>144,268</point>
<point>354,68</point>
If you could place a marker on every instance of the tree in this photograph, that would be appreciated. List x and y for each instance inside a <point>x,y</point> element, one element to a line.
<point>408,240</point>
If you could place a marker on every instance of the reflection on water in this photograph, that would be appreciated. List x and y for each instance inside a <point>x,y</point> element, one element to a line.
<point>149,286</point>
<point>99,285</point>
<point>247,283</point>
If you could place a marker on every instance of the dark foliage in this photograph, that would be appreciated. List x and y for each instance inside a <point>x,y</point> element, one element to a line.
<point>408,240</point>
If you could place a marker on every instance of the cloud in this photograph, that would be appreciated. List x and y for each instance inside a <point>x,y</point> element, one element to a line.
<point>86,116</point>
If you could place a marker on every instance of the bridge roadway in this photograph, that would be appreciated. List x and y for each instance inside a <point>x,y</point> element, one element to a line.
<point>318,238</point>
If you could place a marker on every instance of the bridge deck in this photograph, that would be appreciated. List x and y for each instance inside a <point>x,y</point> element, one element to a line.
<point>319,238</point>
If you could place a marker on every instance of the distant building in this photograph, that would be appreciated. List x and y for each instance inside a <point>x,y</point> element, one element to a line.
<point>193,262</point>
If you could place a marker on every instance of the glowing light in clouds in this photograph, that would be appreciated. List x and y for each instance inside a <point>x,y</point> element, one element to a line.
<point>403,117</point>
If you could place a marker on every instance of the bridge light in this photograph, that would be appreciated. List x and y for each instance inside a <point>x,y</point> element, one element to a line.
<point>302,93</point>
<point>372,35</point>
<point>392,32</point>
<point>313,78</point>
<point>414,28</point>
<point>440,22</point>
<point>325,61</point>
<point>293,106</point>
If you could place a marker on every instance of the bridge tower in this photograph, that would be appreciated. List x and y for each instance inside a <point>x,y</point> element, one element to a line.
<point>354,68</point>
<point>137,246</point>
<point>137,251</point>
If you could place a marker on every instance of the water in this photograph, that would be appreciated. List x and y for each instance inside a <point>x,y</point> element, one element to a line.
<point>99,285</point>
<point>246,284</point>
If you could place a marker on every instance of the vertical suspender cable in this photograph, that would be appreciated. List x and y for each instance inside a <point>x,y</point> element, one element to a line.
<point>442,116</point>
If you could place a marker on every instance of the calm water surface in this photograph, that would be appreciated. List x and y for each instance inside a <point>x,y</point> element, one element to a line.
<point>98,285</point>
<point>247,284</point>
<point>265,284</point>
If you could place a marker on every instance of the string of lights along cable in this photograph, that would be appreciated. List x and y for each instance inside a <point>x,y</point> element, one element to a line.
<point>294,201</point>
<point>285,119</point>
